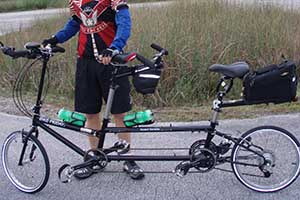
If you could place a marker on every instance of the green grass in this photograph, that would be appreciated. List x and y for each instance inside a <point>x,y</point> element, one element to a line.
<point>17,5</point>
<point>197,33</point>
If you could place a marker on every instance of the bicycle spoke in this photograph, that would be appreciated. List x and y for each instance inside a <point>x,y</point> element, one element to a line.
<point>273,166</point>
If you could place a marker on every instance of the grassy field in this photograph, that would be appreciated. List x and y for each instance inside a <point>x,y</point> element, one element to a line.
<point>13,5</point>
<point>197,33</point>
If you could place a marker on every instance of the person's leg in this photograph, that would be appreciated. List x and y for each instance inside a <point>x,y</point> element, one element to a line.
<point>118,118</point>
<point>93,121</point>
<point>134,171</point>
<point>88,100</point>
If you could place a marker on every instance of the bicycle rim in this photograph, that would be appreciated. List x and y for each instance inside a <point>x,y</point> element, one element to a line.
<point>278,163</point>
<point>33,174</point>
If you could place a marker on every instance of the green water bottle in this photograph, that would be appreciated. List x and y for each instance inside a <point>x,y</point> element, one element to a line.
<point>71,117</point>
<point>139,118</point>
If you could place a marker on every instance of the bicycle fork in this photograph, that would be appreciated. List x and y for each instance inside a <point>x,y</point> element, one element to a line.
<point>25,138</point>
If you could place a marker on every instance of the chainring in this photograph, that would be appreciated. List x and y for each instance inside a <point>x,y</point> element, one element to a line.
<point>201,144</point>
<point>203,159</point>
<point>101,159</point>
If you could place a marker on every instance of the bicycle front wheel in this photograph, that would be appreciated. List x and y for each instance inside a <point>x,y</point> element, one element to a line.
<point>25,162</point>
<point>266,159</point>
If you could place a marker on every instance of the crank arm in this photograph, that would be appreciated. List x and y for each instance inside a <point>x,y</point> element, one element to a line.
<point>182,168</point>
<point>88,163</point>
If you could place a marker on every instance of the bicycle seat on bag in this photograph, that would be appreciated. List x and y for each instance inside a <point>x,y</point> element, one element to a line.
<point>234,70</point>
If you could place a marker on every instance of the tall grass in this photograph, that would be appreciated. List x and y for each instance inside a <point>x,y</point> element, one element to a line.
<point>14,5</point>
<point>197,33</point>
<point>200,33</point>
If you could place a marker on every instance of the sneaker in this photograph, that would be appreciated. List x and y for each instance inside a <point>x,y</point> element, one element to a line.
<point>122,147</point>
<point>83,173</point>
<point>87,171</point>
<point>133,170</point>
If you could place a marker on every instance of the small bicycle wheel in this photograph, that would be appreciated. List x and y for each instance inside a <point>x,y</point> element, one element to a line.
<point>266,159</point>
<point>30,172</point>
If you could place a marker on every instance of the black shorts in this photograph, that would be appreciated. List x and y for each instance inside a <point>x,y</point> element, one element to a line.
<point>92,86</point>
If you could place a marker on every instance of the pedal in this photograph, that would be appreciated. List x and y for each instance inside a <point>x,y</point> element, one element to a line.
<point>121,147</point>
<point>182,169</point>
<point>65,173</point>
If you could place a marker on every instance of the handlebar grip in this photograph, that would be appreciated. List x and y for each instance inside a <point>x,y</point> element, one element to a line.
<point>159,48</point>
<point>145,61</point>
<point>58,49</point>
<point>20,53</point>
<point>13,53</point>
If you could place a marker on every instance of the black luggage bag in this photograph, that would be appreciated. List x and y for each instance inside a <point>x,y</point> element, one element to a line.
<point>271,84</point>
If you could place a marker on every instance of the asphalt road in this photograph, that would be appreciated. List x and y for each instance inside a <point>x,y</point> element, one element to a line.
<point>213,185</point>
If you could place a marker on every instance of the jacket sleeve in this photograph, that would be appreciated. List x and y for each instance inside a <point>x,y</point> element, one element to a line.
<point>123,23</point>
<point>68,31</point>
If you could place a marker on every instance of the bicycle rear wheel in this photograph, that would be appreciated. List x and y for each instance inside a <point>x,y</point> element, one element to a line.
<point>266,159</point>
<point>30,172</point>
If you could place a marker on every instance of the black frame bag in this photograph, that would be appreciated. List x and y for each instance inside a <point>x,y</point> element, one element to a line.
<point>271,84</point>
<point>147,81</point>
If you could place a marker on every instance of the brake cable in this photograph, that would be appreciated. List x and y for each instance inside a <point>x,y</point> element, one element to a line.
<point>18,88</point>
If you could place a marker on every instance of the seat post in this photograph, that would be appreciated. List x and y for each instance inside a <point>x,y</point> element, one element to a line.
<point>223,88</point>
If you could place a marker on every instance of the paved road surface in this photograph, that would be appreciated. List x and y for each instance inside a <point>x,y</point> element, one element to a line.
<point>214,185</point>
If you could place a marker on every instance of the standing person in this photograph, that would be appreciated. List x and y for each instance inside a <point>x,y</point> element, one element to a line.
<point>104,27</point>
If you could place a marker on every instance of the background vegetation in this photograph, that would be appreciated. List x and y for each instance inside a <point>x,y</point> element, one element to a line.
<point>197,33</point>
<point>13,5</point>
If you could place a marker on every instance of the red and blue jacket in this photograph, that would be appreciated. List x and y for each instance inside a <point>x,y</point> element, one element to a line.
<point>108,20</point>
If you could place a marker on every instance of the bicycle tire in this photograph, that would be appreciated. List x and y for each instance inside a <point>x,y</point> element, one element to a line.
<point>274,155</point>
<point>33,174</point>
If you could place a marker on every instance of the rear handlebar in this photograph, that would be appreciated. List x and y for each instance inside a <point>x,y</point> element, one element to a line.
<point>156,62</point>
<point>160,49</point>
<point>145,61</point>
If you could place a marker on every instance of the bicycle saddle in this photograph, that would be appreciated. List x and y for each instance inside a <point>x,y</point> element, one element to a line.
<point>234,70</point>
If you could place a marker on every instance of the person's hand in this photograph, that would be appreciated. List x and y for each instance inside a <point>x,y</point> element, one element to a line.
<point>107,55</point>
<point>52,41</point>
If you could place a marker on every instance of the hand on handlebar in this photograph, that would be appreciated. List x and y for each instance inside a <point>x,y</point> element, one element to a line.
<point>53,41</point>
<point>107,54</point>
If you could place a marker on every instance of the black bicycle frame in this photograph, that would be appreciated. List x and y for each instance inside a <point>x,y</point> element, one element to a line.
<point>43,123</point>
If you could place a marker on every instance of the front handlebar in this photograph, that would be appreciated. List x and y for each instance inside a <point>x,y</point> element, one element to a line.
<point>32,51</point>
